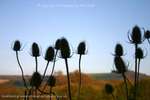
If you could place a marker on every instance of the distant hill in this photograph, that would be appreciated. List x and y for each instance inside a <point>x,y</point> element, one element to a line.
<point>14,80</point>
<point>115,76</point>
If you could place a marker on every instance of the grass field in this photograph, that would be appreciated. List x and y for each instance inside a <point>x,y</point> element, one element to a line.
<point>92,87</point>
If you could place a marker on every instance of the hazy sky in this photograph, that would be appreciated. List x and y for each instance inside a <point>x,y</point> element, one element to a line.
<point>101,23</point>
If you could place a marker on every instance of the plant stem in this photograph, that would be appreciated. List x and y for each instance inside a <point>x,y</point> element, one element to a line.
<point>126,86</point>
<point>135,76</point>
<point>45,70</point>
<point>52,69</point>
<point>139,60</point>
<point>36,64</point>
<point>67,69</point>
<point>24,81</point>
<point>79,77</point>
<point>54,63</point>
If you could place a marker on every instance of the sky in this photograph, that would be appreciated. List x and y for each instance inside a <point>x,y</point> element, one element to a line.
<point>101,23</point>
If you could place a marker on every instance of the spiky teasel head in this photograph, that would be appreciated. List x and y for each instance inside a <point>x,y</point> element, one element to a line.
<point>120,65</point>
<point>36,80</point>
<point>118,50</point>
<point>64,48</point>
<point>139,53</point>
<point>49,55</point>
<point>109,88</point>
<point>57,44</point>
<point>16,45</point>
<point>81,50</point>
<point>136,36</point>
<point>147,34</point>
<point>35,50</point>
<point>51,81</point>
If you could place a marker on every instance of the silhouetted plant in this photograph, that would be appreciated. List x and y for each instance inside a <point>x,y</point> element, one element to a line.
<point>35,53</point>
<point>120,65</point>
<point>109,90</point>
<point>17,48</point>
<point>139,55</point>
<point>36,80</point>
<point>51,82</point>
<point>121,68</point>
<point>49,56</point>
<point>81,50</point>
<point>118,50</point>
<point>65,53</point>
<point>135,38</point>
<point>147,35</point>
<point>57,47</point>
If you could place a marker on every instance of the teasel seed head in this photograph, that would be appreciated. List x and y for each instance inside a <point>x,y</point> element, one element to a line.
<point>64,48</point>
<point>139,53</point>
<point>17,45</point>
<point>57,44</point>
<point>109,88</point>
<point>36,80</point>
<point>51,81</point>
<point>120,65</point>
<point>81,48</point>
<point>147,34</point>
<point>49,55</point>
<point>136,37</point>
<point>35,50</point>
<point>118,50</point>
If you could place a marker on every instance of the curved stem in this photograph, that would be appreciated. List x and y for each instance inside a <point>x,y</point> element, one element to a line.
<point>24,81</point>
<point>67,69</point>
<point>45,70</point>
<point>126,86</point>
<point>79,77</point>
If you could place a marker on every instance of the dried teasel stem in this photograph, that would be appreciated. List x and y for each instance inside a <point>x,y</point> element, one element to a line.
<point>135,76</point>
<point>126,86</point>
<point>79,88</point>
<point>139,61</point>
<point>22,73</point>
<point>52,68</point>
<point>67,69</point>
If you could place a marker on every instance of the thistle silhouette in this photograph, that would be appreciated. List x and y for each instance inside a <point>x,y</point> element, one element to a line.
<point>139,55</point>
<point>136,39</point>
<point>81,51</point>
<point>36,80</point>
<point>120,65</point>
<point>49,56</point>
<point>57,48</point>
<point>35,52</point>
<point>17,48</point>
<point>147,35</point>
<point>65,53</point>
